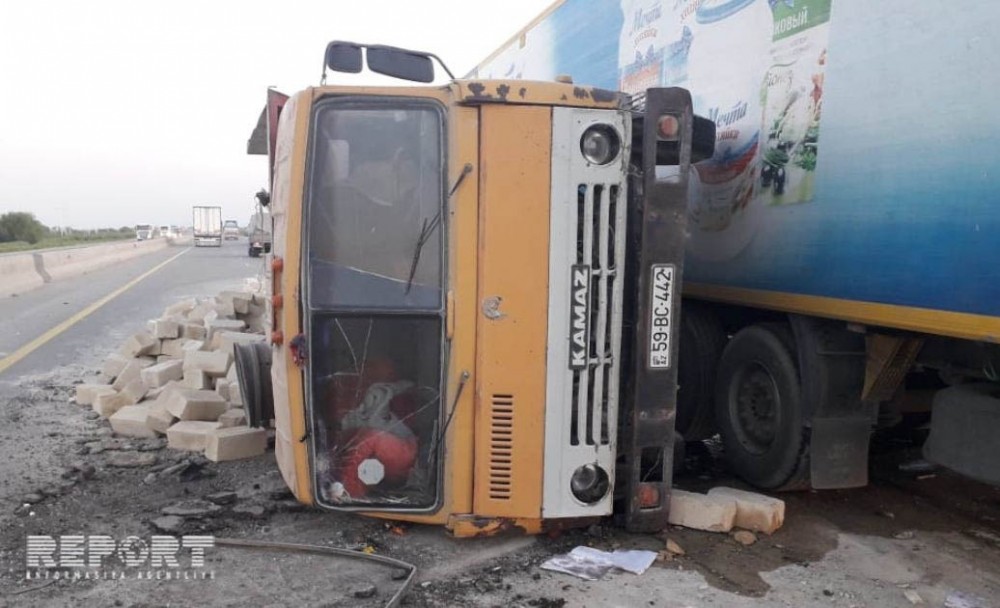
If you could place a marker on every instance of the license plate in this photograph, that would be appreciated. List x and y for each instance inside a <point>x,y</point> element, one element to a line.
<point>660,309</point>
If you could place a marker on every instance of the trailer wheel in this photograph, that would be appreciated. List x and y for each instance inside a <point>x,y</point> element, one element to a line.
<point>757,407</point>
<point>702,341</point>
<point>253,371</point>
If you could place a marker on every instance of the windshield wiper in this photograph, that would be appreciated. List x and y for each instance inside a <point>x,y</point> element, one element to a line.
<point>428,227</point>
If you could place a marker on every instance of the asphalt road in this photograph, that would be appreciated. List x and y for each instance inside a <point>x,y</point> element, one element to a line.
<point>188,272</point>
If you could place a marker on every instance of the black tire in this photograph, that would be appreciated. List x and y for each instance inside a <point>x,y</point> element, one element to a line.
<point>702,342</point>
<point>253,371</point>
<point>758,410</point>
<point>254,252</point>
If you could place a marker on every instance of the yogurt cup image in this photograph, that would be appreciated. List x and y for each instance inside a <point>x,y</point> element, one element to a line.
<point>727,65</point>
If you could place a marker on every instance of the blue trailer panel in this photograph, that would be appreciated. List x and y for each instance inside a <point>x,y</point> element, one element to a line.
<point>857,142</point>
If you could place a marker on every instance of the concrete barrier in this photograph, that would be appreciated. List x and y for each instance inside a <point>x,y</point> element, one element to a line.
<point>20,272</point>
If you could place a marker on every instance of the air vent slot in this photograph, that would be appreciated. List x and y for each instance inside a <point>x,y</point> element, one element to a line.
<point>501,446</point>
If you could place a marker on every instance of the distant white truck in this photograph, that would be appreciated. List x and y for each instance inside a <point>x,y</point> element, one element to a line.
<point>143,232</point>
<point>231,230</point>
<point>207,226</point>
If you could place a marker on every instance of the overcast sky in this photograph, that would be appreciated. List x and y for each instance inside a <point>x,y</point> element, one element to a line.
<point>124,112</point>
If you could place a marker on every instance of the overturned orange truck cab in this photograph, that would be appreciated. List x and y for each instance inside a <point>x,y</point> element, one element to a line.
<point>474,297</point>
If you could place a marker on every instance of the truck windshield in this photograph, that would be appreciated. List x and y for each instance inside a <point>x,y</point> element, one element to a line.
<point>376,183</point>
<point>375,198</point>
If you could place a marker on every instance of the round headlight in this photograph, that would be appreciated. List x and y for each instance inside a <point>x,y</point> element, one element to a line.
<point>600,144</point>
<point>589,483</point>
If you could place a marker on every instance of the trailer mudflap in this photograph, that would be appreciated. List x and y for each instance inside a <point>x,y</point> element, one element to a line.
<point>649,400</point>
<point>839,452</point>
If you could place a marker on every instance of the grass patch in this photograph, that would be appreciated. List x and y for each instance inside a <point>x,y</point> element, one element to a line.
<point>61,241</point>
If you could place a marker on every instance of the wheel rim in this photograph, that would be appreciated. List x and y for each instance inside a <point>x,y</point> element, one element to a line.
<point>755,407</point>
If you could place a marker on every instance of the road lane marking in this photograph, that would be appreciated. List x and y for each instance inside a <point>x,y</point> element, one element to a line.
<point>30,347</point>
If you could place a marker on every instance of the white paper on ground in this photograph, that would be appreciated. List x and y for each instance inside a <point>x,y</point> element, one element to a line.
<point>592,564</point>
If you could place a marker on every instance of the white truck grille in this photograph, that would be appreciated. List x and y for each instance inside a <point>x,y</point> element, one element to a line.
<point>586,261</point>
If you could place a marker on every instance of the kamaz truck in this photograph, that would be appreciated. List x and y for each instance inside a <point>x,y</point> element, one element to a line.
<point>842,264</point>
<point>473,295</point>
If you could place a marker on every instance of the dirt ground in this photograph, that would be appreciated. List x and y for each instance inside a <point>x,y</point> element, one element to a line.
<point>906,539</point>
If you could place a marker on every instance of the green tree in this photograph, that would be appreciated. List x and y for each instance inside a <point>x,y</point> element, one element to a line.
<point>21,226</point>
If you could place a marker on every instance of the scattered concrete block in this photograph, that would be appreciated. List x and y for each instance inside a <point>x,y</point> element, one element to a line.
<point>190,434</point>
<point>134,391</point>
<point>138,344</point>
<point>240,300</point>
<point>106,404</point>
<point>180,308</point>
<point>154,393</point>
<point>197,314</point>
<point>233,417</point>
<point>754,511</point>
<point>157,375</point>
<point>702,511</point>
<point>224,309</point>
<point>159,419</point>
<point>221,325</point>
<point>130,421</point>
<point>129,373</point>
<point>214,364</point>
<point>173,348</point>
<point>193,345</point>
<point>165,328</point>
<point>188,404</point>
<point>196,379</point>
<point>222,388</point>
<point>86,393</point>
<point>114,365</point>
<point>193,331</point>
<point>235,443</point>
<point>164,358</point>
<point>231,375</point>
<point>226,340</point>
<point>235,394</point>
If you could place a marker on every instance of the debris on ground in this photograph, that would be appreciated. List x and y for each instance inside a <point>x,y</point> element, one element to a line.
<point>964,600</point>
<point>744,537</point>
<point>913,597</point>
<point>592,564</point>
<point>177,379</point>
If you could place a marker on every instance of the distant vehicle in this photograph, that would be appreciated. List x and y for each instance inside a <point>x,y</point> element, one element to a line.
<point>208,226</point>
<point>143,232</point>
<point>231,230</point>
<point>166,232</point>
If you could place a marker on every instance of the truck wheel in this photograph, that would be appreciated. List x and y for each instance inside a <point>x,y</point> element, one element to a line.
<point>757,407</point>
<point>253,371</point>
<point>702,341</point>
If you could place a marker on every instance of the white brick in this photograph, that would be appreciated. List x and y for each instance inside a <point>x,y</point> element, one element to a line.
<point>190,435</point>
<point>188,404</point>
<point>165,328</point>
<point>240,300</point>
<point>221,325</point>
<point>193,331</point>
<point>134,392</point>
<point>212,363</point>
<point>130,372</point>
<point>197,314</point>
<point>235,443</point>
<point>157,375</point>
<point>138,344</point>
<point>107,404</point>
<point>225,340</point>
<point>180,308</point>
<point>235,394</point>
<point>86,393</point>
<point>192,346</point>
<point>158,418</point>
<point>222,388</point>
<point>224,309</point>
<point>130,421</point>
<point>196,379</point>
<point>173,348</point>
<point>701,511</point>
<point>114,365</point>
<point>754,511</point>
<point>233,417</point>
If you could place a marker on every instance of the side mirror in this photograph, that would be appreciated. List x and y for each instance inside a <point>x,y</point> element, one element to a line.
<point>400,63</point>
<point>343,57</point>
<point>263,198</point>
